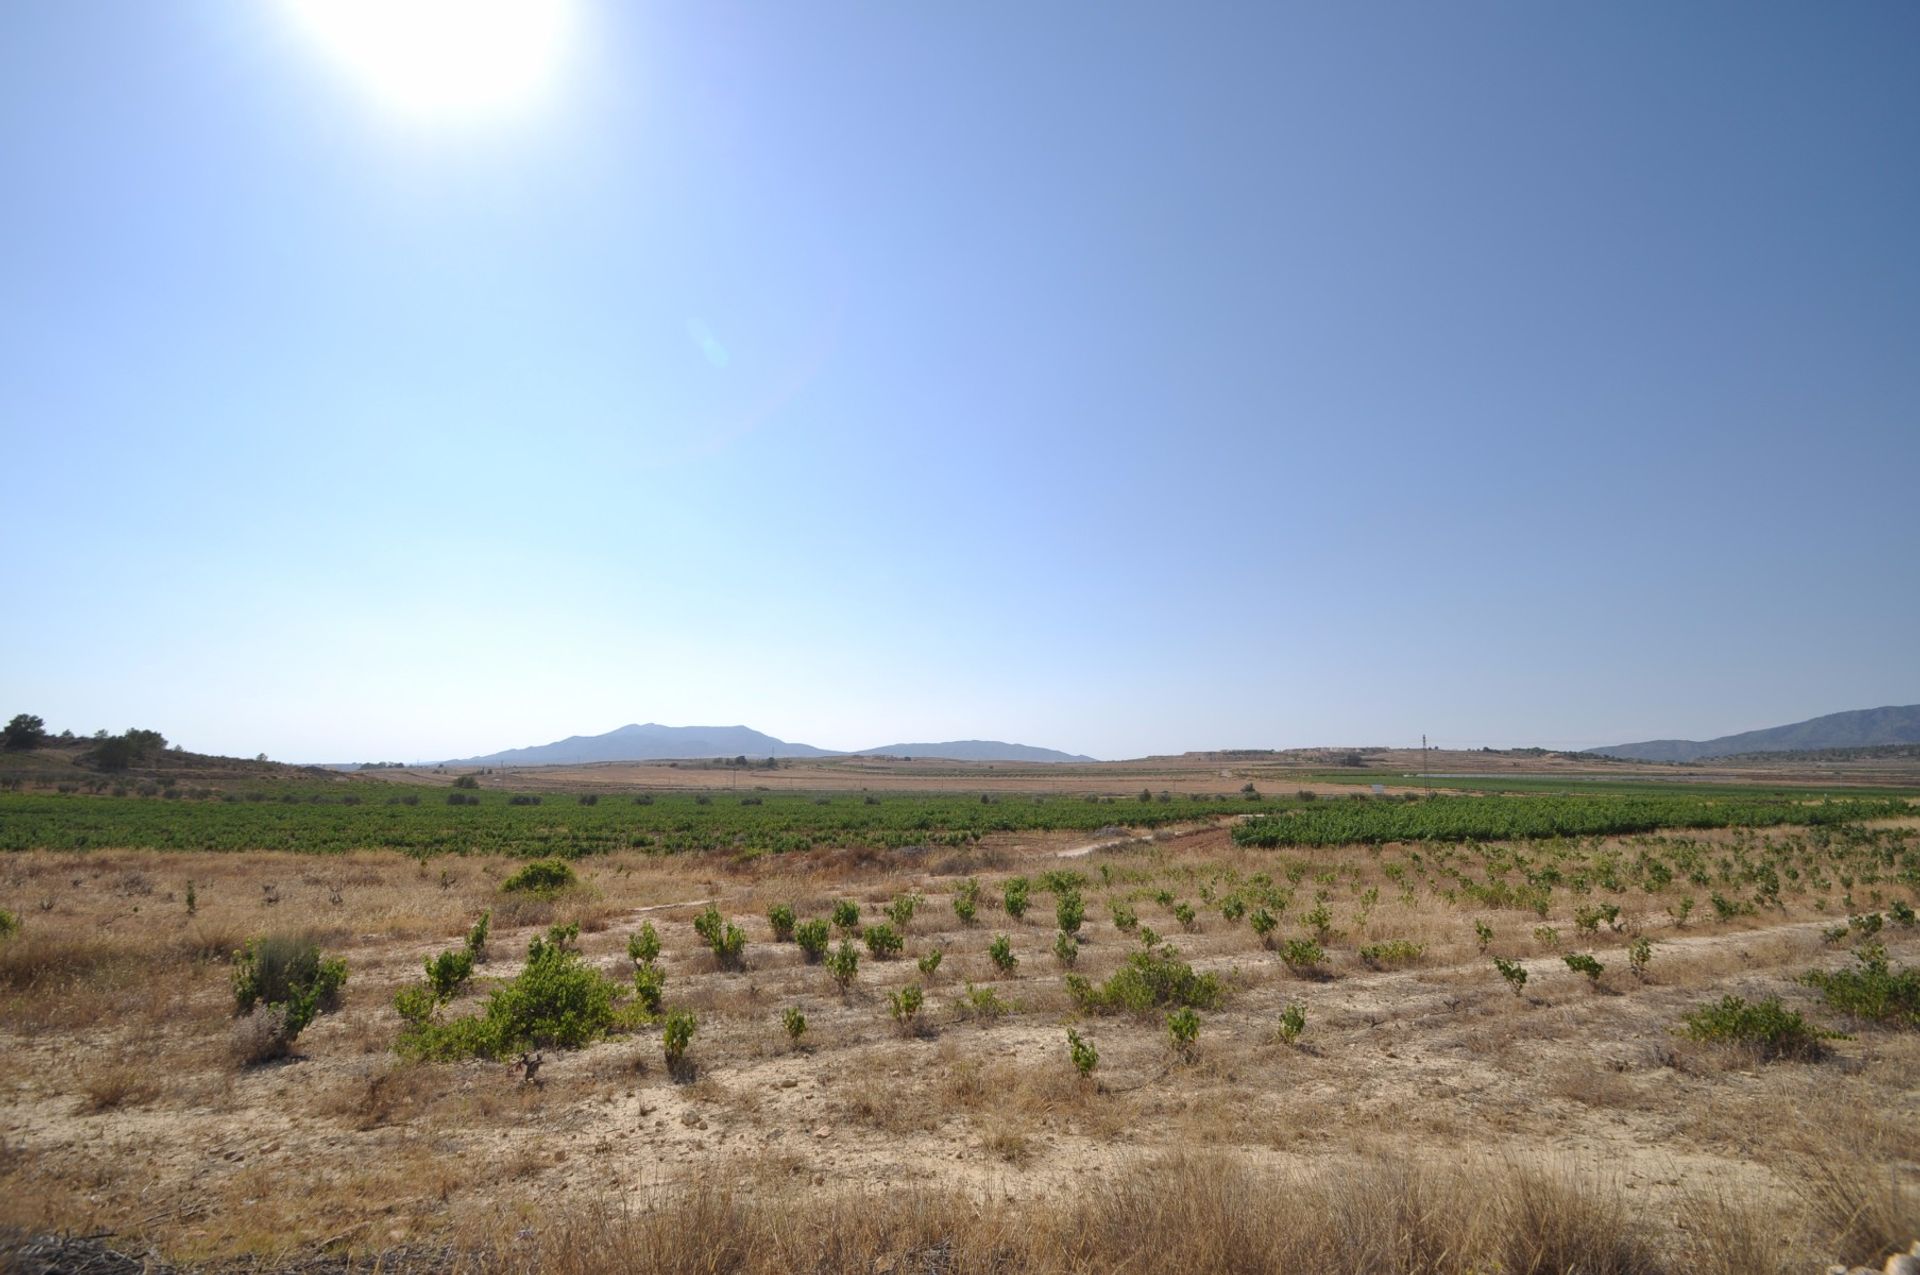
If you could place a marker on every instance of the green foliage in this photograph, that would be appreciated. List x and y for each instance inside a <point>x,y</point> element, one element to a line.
<point>448,972</point>
<point>9,924</point>
<point>1639,955</point>
<point>193,900</point>
<point>982,1003</point>
<point>901,911</point>
<point>467,781</point>
<point>1070,911</point>
<point>1546,936</point>
<point>1293,1021</point>
<point>1058,881</point>
<point>415,1003</point>
<point>846,916</point>
<point>1391,953</point>
<point>1183,1030</point>
<point>287,972</point>
<point>649,988</point>
<point>1124,918</point>
<point>1767,1027</point>
<point>795,1022</point>
<point>844,963</point>
<point>905,1005</point>
<point>883,941</point>
<point>1681,911</point>
<point>676,1034</point>
<point>1512,818</point>
<point>780,917</point>
<point>543,877</point>
<point>1483,934</point>
<point>812,935</point>
<point>1183,912</point>
<point>556,1001</point>
<point>477,936</point>
<point>1150,980</point>
<point>1583,963</point>
<point>1303,955</point>
<point>1016,894</point>
<point>1263,924</point>
<point>1000,951</point>
<point>1514,972</point>
<point>25,731</point>
<point>643,947</point>
<point>1066,949</point>
<point>727,941</point>
<point>1873,989</point>
<point>1085,1057</point>
<point>1232,908</point>
<point>929,962</point>
<point>966,901</point>
<point>1901,912</point>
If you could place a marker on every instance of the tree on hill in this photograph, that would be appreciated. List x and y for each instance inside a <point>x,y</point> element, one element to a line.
<point>117,752</point>
<point>23,732</point>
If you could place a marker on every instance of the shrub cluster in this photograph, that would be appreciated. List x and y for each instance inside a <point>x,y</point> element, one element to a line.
<point>542,877</point>
<point>1150,980</point>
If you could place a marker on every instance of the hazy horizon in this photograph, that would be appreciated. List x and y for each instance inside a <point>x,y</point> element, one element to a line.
<point>1118,381</point>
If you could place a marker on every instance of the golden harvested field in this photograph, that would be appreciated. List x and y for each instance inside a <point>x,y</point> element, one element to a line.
<point>1427,1117</point>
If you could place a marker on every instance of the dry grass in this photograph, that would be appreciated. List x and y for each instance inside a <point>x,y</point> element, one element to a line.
<point>1408,1130</point>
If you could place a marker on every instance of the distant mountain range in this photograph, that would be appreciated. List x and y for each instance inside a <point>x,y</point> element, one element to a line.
<point>654,742</point>
<point>1861,728</point>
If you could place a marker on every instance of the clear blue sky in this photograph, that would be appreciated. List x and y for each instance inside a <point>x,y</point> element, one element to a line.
<point>1121,378</point>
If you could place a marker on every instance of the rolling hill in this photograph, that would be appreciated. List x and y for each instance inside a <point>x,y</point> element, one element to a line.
<point>654,742</point>
<point>1860,728</point>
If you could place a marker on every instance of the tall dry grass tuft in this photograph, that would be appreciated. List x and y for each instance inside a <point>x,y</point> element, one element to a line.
<point>1209,1214</point>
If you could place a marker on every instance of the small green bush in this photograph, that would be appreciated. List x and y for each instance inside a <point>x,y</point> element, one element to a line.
<point>780,917</point>
<point>812,935</point>
<point>542,877</point>
<point>900,911</point>
<point>883,941</point>
<point>1767,1027</point>
<point>448,972</point>
<point>1902,913</point>
<point>905,1005</point>
<point>10,924</point>
<point>1639,956</point>
<point>1303,956</point>
<point>555,1002</point>
<point>415,1003</point>
<point>1183,912</point>
<point>727,941</point>
<point>929,963</point>
<point>676,1034</point>
<point>843,963</point>
<point>795,1022</point>
<point>1872,990</point>
<point>1293,1021</point>
<point>1514,972</point>
<point>1183,1029</point>
<point>649,988</point>
<point>477,936</point>
<point>1393,952</point>
<point>966,901</point>
<point>1482,934</point>
<point>982,1003</point>
<point>846,916</point>
<point>287,972</point>
<point>1263,923</point>
<point>1066,949</point>
<point>1085,1057</point>
<point>1016,894</point>
<point>1583,963</point>
<point>643,948</point>
<point>1070,911</point>
<point>1124,918</point>
<point>1149,980</point>
<point>1000,951</point>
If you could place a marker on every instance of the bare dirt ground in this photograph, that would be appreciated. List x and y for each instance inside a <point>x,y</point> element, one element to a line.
<point>122,1109</point>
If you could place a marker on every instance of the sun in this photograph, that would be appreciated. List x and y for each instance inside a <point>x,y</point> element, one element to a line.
<point>444,59</point>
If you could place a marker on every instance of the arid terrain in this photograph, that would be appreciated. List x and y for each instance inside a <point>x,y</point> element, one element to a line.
<point>1427,1102</point>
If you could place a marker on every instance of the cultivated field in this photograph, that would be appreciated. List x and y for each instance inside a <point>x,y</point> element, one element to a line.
<point>1392,1065</point>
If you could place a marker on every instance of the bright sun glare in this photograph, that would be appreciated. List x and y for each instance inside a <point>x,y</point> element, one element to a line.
<point>444,59</point>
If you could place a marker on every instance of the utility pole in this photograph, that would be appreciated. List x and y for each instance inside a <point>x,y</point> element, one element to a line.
<point>1426,772</point>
